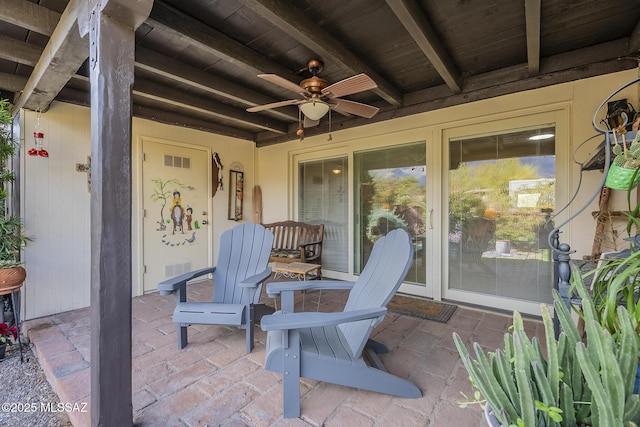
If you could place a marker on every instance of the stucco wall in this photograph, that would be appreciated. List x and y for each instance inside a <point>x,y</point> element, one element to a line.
<point>56,202</point>
<point>579,98</point>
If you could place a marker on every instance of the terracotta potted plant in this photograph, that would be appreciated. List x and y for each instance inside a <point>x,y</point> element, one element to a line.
<point>12,237</point>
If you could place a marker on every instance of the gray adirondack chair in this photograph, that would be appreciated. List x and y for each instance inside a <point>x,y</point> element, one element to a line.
<point>237,283</point>
<point>329,346</point>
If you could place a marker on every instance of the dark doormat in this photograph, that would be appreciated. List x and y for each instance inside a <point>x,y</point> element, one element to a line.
<point>425,309</point>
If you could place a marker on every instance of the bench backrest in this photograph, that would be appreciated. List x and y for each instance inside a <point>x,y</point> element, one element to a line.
<point>291,235</point>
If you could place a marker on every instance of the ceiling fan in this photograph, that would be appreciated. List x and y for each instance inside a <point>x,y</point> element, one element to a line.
<point>318,96</point>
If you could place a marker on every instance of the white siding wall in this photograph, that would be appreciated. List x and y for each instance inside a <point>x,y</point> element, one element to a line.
<point>55,207</point>
<point>56,203</point>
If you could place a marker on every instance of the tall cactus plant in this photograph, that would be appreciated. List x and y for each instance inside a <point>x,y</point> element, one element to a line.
<point>576,384</point>
<point>628,158</point>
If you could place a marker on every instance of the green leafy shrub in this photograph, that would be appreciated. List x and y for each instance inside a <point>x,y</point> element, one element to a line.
<point>12,236</point>
<point>380,222</point>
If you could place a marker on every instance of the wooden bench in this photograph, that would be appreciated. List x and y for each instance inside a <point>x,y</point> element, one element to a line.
<point>296,242</point>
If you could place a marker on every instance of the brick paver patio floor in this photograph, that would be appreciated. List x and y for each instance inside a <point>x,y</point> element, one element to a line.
<point>213,382</point>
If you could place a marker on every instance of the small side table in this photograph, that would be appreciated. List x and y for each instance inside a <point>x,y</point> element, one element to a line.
<point>297,271</point>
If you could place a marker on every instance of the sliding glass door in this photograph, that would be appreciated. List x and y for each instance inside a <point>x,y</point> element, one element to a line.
<point>501,195</point>
<point>390,192</point>
<point>323,199</point>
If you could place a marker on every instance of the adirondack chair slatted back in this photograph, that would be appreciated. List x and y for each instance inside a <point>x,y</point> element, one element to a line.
<point>244,251</point>
<point>385,270</point>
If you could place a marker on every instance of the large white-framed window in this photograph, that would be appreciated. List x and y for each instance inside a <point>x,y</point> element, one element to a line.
<point>323,198</point>
<point>321,193</point>
<point>327,186</point>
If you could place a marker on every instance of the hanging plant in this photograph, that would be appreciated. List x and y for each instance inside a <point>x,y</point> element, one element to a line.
<point>623,172</point>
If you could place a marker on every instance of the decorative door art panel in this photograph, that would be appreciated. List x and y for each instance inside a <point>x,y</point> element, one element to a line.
<point>178,217</point>
<point>176,197</point>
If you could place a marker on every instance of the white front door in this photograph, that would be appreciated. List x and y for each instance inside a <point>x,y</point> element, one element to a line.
<point>176,198</point>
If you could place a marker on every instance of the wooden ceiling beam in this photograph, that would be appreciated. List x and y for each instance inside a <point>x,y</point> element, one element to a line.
<point>561,68</point>
<point>74,96</point>
<point>174,118</point>
<point>299,26</point>
<point>420,29</point>
<point>181,26</point>
<point>31,16</point>
<point>21,52</point>
<point>149,60</point>
<point>180,72</point>
<point>532,19</point>
<point>634,40</point>
<point>11,82</point>
<point>190,102</point>
<point>177,119</point>
<point>62,56</point>
<point>488,85</point>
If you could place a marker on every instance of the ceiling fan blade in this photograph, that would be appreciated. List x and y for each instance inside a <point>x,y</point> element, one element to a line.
<point>350,85</point>
<point>356,108</point>
<point>273,105</point>
<point>284,83</point>
<point>308,123</point>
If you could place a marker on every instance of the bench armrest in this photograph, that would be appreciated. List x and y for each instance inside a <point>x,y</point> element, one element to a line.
<point>169,286</point>
<point>315,242</point>
<point>288,321</point>
<point>276,288</point>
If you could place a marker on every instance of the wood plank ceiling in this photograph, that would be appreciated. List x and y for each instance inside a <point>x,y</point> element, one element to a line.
<point>197,60</point>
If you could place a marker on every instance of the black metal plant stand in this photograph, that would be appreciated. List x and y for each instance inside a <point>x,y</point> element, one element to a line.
<point>15,302</point>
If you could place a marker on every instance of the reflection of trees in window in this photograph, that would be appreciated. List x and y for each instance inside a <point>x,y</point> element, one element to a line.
<point>489,184</point>
<point>463,206</point>
<point>396,203</point>
<point>491,178</point>
<point>405,191</point>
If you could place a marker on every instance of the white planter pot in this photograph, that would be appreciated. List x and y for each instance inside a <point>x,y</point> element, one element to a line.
<point>503,247</point>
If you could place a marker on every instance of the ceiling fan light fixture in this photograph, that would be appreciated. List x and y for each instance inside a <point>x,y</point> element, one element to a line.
<point>314,110</point>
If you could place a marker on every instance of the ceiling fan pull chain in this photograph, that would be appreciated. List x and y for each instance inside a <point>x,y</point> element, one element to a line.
<point>300,131</point>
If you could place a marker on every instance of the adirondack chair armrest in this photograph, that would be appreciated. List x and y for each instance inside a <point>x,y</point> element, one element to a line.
<point>169,286</point>
<point>255,280</point>
<point>288,321</point>
<point>276,288</point>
